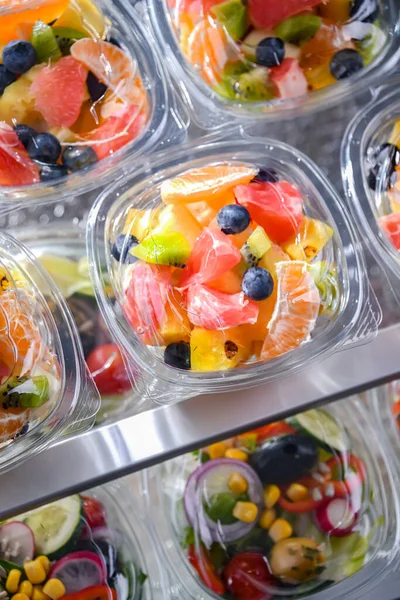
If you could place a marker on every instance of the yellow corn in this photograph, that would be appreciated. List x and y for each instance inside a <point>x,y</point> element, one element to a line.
<point>26,588</point>
<point>38,594</point>
<point>297,492</point>
<point>34,571</point>
<point>45,562</point>
<point>245,511</point>
<point>20,596</point>
<point>268,516</point>
<point>54,588</point>
<point>237,483</point>
<point>271,495</point>
<point>217,450</point>
<point>237,454</point>
<point>280,530</point>
<point>13,580</point>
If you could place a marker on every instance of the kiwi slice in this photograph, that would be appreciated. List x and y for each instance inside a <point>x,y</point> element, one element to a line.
<point>297,29</point>
<point>24,392</point>
<point>256,246</point>
<point>66,37</point>
<point>170,249</point>
<point>253,86</point>
<point>45,43</point>
<point>232,14</point>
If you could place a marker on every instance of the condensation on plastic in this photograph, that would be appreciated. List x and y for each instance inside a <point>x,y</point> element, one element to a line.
<point>76,400</point>
<point>163,487</point>
<point>371,128</point>
<point>208,109</point>
<point>357,315</point>
<point>166,123</point>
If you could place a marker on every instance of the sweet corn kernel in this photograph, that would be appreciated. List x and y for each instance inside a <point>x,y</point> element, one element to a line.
<point>217,450</point>
<point>54,588</point>
<point>237,454</point>
<point>268,516</point>
<point>26,588</point>
<point>13,579</point>
<point>280,530</point>
<point>271,495</point>
<point>34,571</point>
<point>297,492</point>
<point>237,483</point>
<point>45,562</point>
<point>245,511</point>
<point>38,594</point>
<point>20,596</point>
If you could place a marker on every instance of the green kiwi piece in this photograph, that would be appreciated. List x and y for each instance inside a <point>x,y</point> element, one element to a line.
<point>256,246</point>
<point>24,392</point>
<point>253,86</point>
<point>298,29</point>
<point>232,14</point>
<point>45,43</point>
<point>66,37</point>
<point>170,249</point>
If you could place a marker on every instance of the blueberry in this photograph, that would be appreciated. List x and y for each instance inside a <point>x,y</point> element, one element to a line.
<point>269,175</point>
<point>52,172</point>
<point>19,56</point>
<point>96,89</point>
<point>121,247</point>
<point>76,158</point>
<point>364,10</point>
<point>178,355</point>
<point>386,158</point>
<point>345,63</point>
<point>257,284</point>
<point>270,52</point>
<point>44,147</point>
<point>114,42</point>
<point>24,133</point>
<point>6,78</point>
<point>233,218</point>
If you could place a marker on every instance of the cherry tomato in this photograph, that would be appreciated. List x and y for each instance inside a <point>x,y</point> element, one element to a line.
<point>271,430</point>
<point>94,512</point>
<point>108,370</point>
<point>246,575</point>
<point>94,592</point>
<point>200,560</point>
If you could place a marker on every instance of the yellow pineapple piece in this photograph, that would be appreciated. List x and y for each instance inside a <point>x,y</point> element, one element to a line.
<point>140,222</point>
<point>17,104</point>
<point>218,350</point>
<point>177,326</point>
<point>309,241</point>
<point>84,15</point>
<point>178,218</point>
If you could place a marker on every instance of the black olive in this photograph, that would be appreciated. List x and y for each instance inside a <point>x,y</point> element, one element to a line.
<point>285,459</point>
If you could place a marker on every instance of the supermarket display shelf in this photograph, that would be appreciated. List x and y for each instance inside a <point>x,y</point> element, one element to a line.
<point>115,450</point>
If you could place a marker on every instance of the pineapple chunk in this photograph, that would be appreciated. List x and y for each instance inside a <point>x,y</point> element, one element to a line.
<point>310,240</point>
<point>178,218</point>
<point>140,222</point>
<point>84,15</point>
<point>177,326</point>
<point>17,104</point>
<point>218,350</point>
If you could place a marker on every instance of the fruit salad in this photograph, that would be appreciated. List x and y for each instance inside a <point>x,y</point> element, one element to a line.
<point>226,266</point>
<point>68,550</point>
<point>266,49</point>
<point>278,512</point>
<point>70,93</point>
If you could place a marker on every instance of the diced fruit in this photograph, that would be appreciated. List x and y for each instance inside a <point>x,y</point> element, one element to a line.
<point>345,63</point>
<point>17,104</point>
<point>11,21</point>
<point>233,219</point>
<point>270,52</point>
<point>207,49</point>
<point>83,15</point>
<point>229,282</point>
<point>256,246</point>
<point>178,355</point>
<point>218,350</point>
<point>59,91</point>
<point>44,147</point>
<point>253,86</point>
<point>319,50</point>
<point>257,284</point>
<point>66,37</point>
<point>16,168</point>
<point>391,226</point>
<point>313,235</point>
<point>203,212</point>
<point>117,131</point>
<point>139,222</point>
<point>45,43</point>
<point>289,80</point>
<point>25,392</point>
<point>265,14</point>
<point>277,207</point>
<point>176,326</point>
<point>19,56</point>
<point>336,10</point>
<point>252,40</point>
<point>232,15</point>
<point>210,309</point>
<point>205,183</point>
<point>299,28</point>
<point>76,158</point>
<point>178,218</point>
<point>163,249</point>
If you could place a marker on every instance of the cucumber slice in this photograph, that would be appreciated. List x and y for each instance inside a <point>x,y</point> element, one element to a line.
<point>320,425</point>
<point>56,526</point>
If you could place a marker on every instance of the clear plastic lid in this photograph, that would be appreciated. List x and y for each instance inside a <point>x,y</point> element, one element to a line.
<point>371,176</point>
<point>284,511</point>
<point>202,309</point>
<point>92,545</point>
<point>256,58</point>
<point>45,388</point>
<point>385,405</point>
<point>81,94</point>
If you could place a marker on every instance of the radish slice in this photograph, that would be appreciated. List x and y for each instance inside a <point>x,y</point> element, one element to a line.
<point>336,517</point>
<point>17,542</point>
<point>80,570</point>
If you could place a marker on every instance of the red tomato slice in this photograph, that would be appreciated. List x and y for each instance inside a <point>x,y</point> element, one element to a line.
<point>200,560</point>
<point>265,14</point>
<point>211,309</point>
<point>108,370</point>
<point>246,575</point>
<point>94,512</point>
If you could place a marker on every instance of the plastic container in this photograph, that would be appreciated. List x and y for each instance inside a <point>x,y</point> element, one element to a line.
<point>357,554</point>
<point>355,315</point>
<point>94,540</point>
<point>41,359</point>
<point>369,178</point>
<point>162,124</point>
<point>210,109</point>
<point>383,403</point>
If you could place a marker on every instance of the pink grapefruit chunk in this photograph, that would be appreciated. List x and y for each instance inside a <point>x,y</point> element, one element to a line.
<point>289,80</point>
<point>117,131</point>
<point>391,226</point>
<point>16,168</point>
<point>211,309</point>
<point>277,207</point>
<point>59,91</point>
<point>265,14</point>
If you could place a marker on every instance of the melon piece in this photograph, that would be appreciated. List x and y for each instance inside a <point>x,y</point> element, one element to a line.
<point>17,104</point>
<point>218,350</point>
<point>313,235</point>
<point>210,309</point>
<point>229,282</point>
<point>271,258</point>
<point>265,14</point>
<point>288,79</point>
<point>202,212</point>
<point>178,218</point>
<point>140,222</point>
<point>176,327</point>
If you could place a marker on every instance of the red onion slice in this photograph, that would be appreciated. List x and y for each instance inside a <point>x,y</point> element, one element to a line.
<point>208,530</point>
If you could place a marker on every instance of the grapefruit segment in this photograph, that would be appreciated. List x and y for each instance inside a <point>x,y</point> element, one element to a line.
<point>16,168</point>
<point>117,131</point>
<point>207,49</point>
<point>391,226</point>
<point>289,80</point>
<point>265,14</point>
<point>296,310</point>
<point>211,309</point>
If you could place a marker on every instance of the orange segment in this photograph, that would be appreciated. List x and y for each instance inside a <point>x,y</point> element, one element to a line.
<point>111,65</point>
<point>296,310</point>
<point>26,11</point>
<point>207,183</point>
<point>319,51</point>
<point>12,421</point>
<point>207,49</point>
